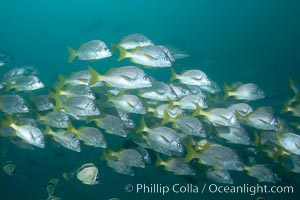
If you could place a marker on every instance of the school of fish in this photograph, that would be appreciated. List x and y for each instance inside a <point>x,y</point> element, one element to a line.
<point>185,122</point>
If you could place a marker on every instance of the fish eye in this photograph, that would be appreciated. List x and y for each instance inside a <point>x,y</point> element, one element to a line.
<point>89,93</point>
<point>24,106</point>
<point>94,108</point>
<point>238,163</point>
<point>179,145</point>
<point>102,142</point>
<point>146,78</point>
<point>207,79</point>
<point>166,58</point>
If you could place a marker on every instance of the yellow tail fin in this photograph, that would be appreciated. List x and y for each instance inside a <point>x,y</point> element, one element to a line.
<point>226,89</point>
<point>123,53</point>
<point>159,161</point>
<point>72,54</point>
<point>173,74</point>
<point>95,76</point>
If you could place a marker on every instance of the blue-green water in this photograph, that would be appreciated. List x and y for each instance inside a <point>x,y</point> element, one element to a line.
<point>248,41</point>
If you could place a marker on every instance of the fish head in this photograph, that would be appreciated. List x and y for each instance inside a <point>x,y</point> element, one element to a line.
<point>90,95</point>
<point>274,123</point>
<point>49,105</point>
<point>140,108</point>
<point>146,81</point>
<point>179,147</point>
<point>22,108</point>
<point>205,80</point>
<point>37,84</point>
<point>128,122</point>
<point>76,145</point>
<point>202,104</point>
<point>166,61</point>
<point>103,52</point>
<point>92,110</point>
<point>261,94</point>
<point>140,162</point>
<point>235,164</point>
<point>39,141</point>
<point>122,132</point>
<point>102,143</point>
<point>199,131</point>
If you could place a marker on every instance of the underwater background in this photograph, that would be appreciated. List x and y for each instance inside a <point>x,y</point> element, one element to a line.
<point>231,40</point>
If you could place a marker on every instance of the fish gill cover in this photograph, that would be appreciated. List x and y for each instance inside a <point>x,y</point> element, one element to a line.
<point>129,99</point>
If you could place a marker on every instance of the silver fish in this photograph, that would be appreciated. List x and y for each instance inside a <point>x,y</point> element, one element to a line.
<point>135,40</point>
<point>217,156</point>
<point>173,112</point>
<point>81,106</point>
<point>262,173</point>
<point>128,77</point>
<point>119,166</point>
<point>219,175</point>
<point>241,108</point>
<point>187,124</point>
<point>111,124</point>
<point>158,91</point>
<point>30,134</point>
<point>25,83</point>
<point>89,135</point>
<point>219,116</point>
<point>176,165</point>
<point>190,102</point>
<point>129,156</point>
<point>191,77</point>
<point>237,135</point>
<point>77,90</point>
<point>20,71</point>
<point>92,50</point>
<point>57,119</point>
<point>69,141</point>
<point>262,118</point>
<point>248,91</point>
<point>128,103</point>
<point>181,90</point>
<point>13,104</point>
<point>213,88</point>
<point>43,102</point>
<point>150,56</point>
<point>290,142</point>
<point>162,136</point>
